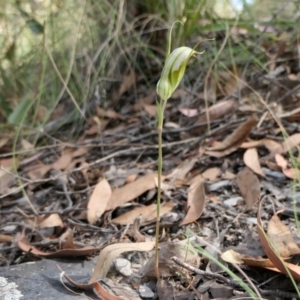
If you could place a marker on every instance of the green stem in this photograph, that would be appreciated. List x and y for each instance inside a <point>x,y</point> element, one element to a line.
<point>160,120</point>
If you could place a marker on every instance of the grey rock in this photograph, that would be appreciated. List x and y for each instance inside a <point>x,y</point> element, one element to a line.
<point>146,292</point>
<point>123,266</point>
<point>41,279</point>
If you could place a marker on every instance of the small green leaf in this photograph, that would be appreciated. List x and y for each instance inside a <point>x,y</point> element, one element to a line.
<point>20,112</point>
<point>35,26</point>
<point>5,105</point>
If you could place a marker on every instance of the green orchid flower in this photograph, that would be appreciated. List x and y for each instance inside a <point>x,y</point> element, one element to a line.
<point>173,71</point>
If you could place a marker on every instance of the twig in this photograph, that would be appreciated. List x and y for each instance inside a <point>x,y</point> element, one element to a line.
<point>232,283</point>
<point>206,274</point>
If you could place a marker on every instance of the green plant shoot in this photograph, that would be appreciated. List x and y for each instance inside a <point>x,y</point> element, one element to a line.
<point>171,76</point>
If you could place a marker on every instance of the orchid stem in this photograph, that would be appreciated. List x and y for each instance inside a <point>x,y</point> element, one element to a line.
<point>160,119</point>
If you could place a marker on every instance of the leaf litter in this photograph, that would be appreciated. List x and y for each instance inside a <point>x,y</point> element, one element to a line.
<point>96,193</point>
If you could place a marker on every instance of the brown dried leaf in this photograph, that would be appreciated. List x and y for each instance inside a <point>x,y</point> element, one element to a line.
<point>218,111</point>
<point>69,240</point>
<point>98,201</point>
<point>251,144</point>
<point>65,159</point>
<point>234,257</point>
<point>195,202</point>
<point>277,261</point>
<point>111,252</point>
<point>131,178</point>
<point>212,173</point>
<point>127,82</point>
<point>292,173</point>
<point>5,176</point>
<point>281,161</point>
<point>178,176</point>
<point>5,238</point>
<point>150,109</point>
<point>272,146</point>
<point>237,137</point>
<point>189,112</point>
<point>147,213</point>
<point>291,142</point>
<point>103,294</point>
<point>281,238</point>
<point>25,246</point>
<point>249,186</point>
<point>233,82</point>
<point>251,160</point>
<point>38,171</point>
<point>131,191</point>
<point>146,100</point>
<point>52,220</point>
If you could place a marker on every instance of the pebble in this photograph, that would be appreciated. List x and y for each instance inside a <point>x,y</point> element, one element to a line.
<point>233,201</point>
<point>218,185</point>
<point>123,266</point>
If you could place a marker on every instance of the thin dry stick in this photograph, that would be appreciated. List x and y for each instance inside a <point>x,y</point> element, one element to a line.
<point>206,274</point>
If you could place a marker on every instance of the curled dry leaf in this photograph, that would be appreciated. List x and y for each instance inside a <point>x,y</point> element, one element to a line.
<point>278,262</point>
<point>147,214</point>
<point>131,191</point>
<point>98,201</point>
<point>249,186</point>
<point>234,257</point>
<point>234,140</point>
<point>251,160</point>
<point>195,202</point>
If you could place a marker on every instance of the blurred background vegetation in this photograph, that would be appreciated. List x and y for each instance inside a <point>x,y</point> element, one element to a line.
<point>66,55</point>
